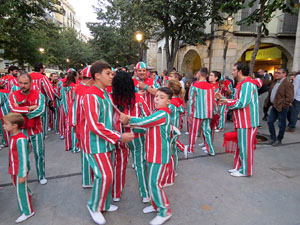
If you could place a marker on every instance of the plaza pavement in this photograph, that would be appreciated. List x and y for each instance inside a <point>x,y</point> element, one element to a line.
<point>203,193</point>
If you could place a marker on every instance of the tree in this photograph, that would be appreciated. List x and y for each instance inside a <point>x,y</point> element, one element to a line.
<point>113,35</point>
<point>20,23</point>
<point>179,21</point>
<point>261,17</point>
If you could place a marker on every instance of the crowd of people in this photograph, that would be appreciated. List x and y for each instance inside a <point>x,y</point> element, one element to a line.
<point>105,114</point>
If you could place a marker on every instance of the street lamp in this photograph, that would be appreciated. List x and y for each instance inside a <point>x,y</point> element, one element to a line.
<point>67,60</point>
<point>139,36</point>
<point>42,50</point>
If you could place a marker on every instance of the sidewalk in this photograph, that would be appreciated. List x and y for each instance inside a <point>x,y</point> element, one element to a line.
<point>204,193</point>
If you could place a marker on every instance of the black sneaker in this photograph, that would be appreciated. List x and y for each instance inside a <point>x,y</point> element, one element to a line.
<point>271,142</point>
<point>277,143</point>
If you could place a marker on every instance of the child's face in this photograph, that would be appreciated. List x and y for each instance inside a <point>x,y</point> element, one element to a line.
<point>161,100</point>
<point>105,77</point>
<point>8,126</point>
<point>172,77</point>
<point>212,79</point>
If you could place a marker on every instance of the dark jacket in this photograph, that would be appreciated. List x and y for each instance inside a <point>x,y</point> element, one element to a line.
<point>284,95</point>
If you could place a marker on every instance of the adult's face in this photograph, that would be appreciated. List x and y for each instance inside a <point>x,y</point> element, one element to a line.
<point>15,73</point>
<point>235,72</point>
<point>279,75</point>
<point>24,84</point>
<point>261,72</point>
<point>141,73</point>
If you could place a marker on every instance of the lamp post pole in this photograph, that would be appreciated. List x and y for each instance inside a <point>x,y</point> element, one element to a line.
<point>139,36</point>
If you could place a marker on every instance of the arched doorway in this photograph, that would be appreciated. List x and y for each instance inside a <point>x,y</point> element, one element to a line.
<point>269,57</point>
<point>190,64</point>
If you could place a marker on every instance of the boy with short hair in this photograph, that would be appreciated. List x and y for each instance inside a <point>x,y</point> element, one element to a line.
<point>19,165</point>
<point>99,139</point>
<point>158,152</point>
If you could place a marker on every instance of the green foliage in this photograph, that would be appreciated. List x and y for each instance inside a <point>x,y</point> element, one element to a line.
<point>114,34</point>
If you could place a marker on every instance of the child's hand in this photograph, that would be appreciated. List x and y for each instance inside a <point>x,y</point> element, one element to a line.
<point>218,95</point>
<point>124,119</point>
<point>142,85</point>
<point>127,137</point>
<point>224,101</point>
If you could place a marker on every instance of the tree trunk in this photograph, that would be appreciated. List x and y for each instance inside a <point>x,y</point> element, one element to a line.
<point>258,37</point>
<point>224,55</point>
<point>171,51</point>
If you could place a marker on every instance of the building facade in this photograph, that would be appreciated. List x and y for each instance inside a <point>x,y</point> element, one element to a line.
<point>233,43</point>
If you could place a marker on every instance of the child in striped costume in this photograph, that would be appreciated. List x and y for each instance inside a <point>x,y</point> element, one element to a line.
<point>86,170</point>
<point>226,90</point>
<point>145,85</point>
<point>246,118</point>
<point>200,112</point>
<point>31,104</point>
<point>4,109</point>
<point>158,152</point>
<point>177,110</point>
<point>133,104</point>
<point>19,163</point>
<point>99,139</point>
<point>68,98</point>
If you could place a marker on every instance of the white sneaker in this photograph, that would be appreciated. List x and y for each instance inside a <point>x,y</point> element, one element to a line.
<point>176,174</point>
<point>146,200</point>
<point>149,209</point>
<point>23,217</point>
<point>43,181</point>
<point>185,151</point>
<point>217,130</point>
<point>232,170</point>
<point>62,137</point>
<point>238,174</point>
<point>212,154</point>
<point>186,133</point>
<point>158,220</point>
<point>116,199</point>
<point>204,148</point>
<point>112,208</point>
<point>87,186</point>
<point>49,129</point>
<point>97,216</point>
<point>205,151</point>
<point>2,146</point>
<point>133,167</point>
<point>202,144</point>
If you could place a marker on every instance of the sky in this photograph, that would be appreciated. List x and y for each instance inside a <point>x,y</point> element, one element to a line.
<point>85,13</point>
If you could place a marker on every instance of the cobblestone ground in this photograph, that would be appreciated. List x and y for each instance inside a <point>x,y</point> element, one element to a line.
<point>204,193</point>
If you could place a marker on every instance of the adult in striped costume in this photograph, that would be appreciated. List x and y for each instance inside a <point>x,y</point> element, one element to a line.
<point>158,152</point>
<point>145,85</point>
<point>200,111</point>
<point>99,139</point>
<point>68,99</point>
<point>176,108</point>
<point>11,79</point>
<point>246,118</point>
<point>31,104</point>
<point>19,165</point>
<point>4,110</point>
<point>44,85</point>
<point>133,104</point>
<point>86,170</point>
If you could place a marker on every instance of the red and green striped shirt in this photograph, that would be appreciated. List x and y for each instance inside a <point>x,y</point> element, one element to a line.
<point>176,109</point>
<point>18,155</point>
<point>96,131</point>
<point>245,104</point>
<point>201,100</point>
<point>158,140</point>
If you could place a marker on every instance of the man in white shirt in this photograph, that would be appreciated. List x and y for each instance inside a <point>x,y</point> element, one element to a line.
<point>295,108</point>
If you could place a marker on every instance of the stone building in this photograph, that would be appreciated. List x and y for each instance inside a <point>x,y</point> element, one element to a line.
<point>276,50</point>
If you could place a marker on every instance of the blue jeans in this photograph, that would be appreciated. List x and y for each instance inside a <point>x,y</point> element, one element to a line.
<point>293,114</point>
<point>281,116</point>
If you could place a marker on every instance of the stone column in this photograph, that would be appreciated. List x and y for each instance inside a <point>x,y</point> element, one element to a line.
<point>296,61</point>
